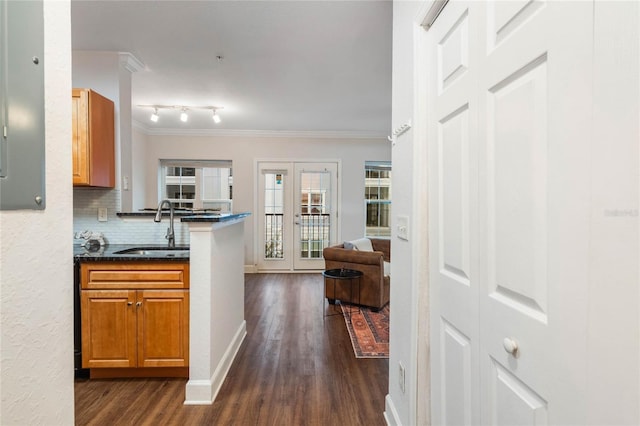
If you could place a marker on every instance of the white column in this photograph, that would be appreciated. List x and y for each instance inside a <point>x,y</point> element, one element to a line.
<point>216,323</point>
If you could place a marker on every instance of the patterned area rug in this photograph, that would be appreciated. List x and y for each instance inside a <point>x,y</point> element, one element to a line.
<point>369,331</point>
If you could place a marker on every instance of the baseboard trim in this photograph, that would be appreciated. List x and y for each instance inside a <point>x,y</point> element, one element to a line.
<point>204,392</point>
<point>250,269</point>
<point>390,412</point>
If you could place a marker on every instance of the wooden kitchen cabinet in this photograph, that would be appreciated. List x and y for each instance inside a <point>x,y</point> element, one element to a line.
<point>109,328</point>
<point>93,139</point>
<point>163,328</point>
<point>138,319</point>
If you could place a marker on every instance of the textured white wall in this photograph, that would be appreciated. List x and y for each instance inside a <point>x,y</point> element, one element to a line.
<point>36,263</point>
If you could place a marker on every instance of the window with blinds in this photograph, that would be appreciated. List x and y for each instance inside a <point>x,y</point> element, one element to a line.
<point>377,194</point>
<point>197,184</point>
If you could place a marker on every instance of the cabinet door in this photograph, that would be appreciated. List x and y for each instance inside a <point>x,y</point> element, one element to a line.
<point>163,328</point>
<point>108,328</point>
<point>101,132</point>
<point>93,139</point>
<point>79,142</point>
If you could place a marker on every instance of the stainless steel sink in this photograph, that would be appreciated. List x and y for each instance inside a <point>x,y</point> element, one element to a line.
<point>154,251</point>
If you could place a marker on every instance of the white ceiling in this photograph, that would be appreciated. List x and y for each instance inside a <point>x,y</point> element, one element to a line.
<point>317,66</point>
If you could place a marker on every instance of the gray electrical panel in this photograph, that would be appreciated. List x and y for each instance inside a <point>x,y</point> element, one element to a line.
<point>22,132</point>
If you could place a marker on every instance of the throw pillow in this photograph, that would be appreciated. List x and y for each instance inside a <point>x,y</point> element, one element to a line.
<point>362,244</point>
<point>348,246</point>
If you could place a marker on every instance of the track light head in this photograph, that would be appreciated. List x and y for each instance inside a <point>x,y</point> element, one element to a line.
<point>216,117</point>
<point>184,116</point>
<point>155,116</point>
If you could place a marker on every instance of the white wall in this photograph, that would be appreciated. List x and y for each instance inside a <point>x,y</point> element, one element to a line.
<point>36,262</point>
<point>403,332</point>
<point>243,151</point>
<point>138,172</point>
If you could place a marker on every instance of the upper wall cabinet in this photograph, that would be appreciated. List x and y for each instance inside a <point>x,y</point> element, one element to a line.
<point>93,139</point>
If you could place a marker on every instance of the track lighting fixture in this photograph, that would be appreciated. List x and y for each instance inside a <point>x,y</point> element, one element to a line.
<point>184,116</point>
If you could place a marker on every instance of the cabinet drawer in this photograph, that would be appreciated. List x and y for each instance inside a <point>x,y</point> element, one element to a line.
<point>134,275</point>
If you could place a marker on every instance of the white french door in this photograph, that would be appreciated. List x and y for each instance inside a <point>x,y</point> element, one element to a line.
<point>509,94</point>
<point>315,204</point>
<point>297,214</point>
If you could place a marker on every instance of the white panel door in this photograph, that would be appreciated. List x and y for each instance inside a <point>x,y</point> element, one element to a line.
<point>275,217</point>
<point>509,107</point>
<point>453,216</point>
<point>535,83</point>
<point>316,205</point>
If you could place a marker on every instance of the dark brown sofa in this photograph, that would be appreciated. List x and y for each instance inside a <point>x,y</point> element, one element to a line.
<point>374,291</point>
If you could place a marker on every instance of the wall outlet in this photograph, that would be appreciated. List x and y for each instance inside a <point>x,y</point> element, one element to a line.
<point>401,377</point>
<point>102,214</point>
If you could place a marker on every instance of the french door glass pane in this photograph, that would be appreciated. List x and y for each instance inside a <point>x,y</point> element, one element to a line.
<point>314,211</point>
<point>273,215</point>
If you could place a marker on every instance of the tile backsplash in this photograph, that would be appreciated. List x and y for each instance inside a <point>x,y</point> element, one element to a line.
<point>86,202</point>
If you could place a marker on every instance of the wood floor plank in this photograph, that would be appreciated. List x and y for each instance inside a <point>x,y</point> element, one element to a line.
<point>294,368</point>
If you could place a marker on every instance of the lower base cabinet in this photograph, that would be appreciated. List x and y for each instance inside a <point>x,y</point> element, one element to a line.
<point>131,318</point>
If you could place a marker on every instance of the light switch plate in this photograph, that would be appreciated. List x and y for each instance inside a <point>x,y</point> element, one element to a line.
<point>102,214</point>
<point>402,227</point>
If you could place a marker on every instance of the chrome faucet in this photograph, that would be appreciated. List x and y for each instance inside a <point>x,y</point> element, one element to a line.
<point>170,234</point>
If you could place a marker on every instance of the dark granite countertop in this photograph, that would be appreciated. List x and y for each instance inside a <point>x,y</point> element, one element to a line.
<point>165,212</point>
<point>187,215</point>
<point>108,253</point>
<point>221,217</point>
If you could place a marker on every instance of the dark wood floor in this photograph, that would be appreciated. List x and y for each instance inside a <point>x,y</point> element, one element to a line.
<point>293,369</point>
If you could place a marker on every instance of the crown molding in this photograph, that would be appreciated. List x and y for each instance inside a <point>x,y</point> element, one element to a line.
<point>312,134</point>
<point>129,62</point>
<point>126,59</point>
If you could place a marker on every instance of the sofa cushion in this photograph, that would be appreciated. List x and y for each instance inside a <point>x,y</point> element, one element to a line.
<point>362,244</point>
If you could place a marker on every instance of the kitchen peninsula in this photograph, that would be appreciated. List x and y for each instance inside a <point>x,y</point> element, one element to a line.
<point>217,324</point>
<point>208,275</point>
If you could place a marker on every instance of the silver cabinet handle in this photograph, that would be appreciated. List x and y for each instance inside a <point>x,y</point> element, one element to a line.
<point>510,345</point>
<point>129,303</point>
<point>139,304</point>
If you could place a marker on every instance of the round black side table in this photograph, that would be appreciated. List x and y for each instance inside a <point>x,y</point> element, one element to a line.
<point>350,276</point>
